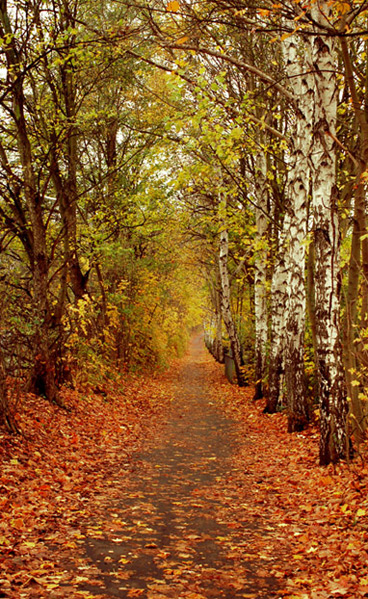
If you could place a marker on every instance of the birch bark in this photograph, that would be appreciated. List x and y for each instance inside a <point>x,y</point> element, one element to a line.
<point>288,297</point>
<point>218,346</point>
<point>260,275</point>
<point>225,297</point>
<point>213,326</point>
<point>332,388</point>
<point>278,320</point>
<point>301,84</point>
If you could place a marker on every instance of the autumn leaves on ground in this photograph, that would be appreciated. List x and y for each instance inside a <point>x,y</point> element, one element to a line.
<point>176,486</point>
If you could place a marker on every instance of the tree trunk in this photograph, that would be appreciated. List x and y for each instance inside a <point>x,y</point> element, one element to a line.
<point>358,263</point>
<point>6,417</point>
<point>296,208</point>
<point>358,423</point>
<point>213,328</point>
<point>68,205</point>
<point>311,303</point>
<point>65,151</point>
<point>260,275</point>
<point>43,375</point>
<point>332,388</point>
<point>218,345</point>
<point>278,321</point>
<point>226,306</point>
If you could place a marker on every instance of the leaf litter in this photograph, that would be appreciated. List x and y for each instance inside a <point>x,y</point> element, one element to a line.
<point>201,497</point>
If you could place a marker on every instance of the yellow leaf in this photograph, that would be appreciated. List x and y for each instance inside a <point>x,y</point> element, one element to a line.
<point>182,40</point>
<point>303,581</point>
<point>173,6</point>
<point>342,7</point>
<point>360,512</point>
<point>344,508</point>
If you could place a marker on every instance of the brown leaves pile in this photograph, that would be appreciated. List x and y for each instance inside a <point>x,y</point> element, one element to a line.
<point>320,515</point>
<point>54,479</point>
<point>52,475</point>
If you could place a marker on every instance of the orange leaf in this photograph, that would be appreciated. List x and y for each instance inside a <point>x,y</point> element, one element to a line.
<point>173,6</point>
<point>18,523</point>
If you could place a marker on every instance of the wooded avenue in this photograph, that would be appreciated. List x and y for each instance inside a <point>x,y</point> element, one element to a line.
<point>168,163</point>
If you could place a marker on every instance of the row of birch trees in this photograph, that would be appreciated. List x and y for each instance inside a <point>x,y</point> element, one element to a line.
<point>294,81</point>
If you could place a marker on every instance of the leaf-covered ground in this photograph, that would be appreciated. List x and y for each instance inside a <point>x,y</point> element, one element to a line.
<point>179,487</point>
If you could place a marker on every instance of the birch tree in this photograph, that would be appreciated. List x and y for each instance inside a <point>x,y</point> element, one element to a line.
<point>218,349</point>
<point>332,387</point>
<point>225,294</point>
<point>260,275</point>
<point>278,320</point>
<point>296,231</point>
<point>288,301</point>
<point>213,322</point>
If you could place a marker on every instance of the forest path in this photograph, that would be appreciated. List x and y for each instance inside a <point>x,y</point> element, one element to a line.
<point>177,527</point>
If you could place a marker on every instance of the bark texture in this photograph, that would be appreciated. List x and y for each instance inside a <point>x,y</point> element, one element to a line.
<point>355,354</point>
<point>260,273</point>
<point>226,306</point>
<point>279,308</point>
<point>296,209</point>
<point>332,388</point>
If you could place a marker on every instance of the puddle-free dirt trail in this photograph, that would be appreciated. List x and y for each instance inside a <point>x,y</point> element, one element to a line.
<point>168,532</point>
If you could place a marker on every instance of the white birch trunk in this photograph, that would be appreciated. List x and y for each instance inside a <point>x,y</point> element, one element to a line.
<point>288,300</point>
<point>278,320</point>
<point>332,388</point>
<point>260,274</point>
<point>301,84</point>
<point>225,300</point>
<point>213,325</point>
<point>218,349</point>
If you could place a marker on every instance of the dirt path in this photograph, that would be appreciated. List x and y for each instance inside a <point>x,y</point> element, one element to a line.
<point>171,530</point>
<point>125,496</point>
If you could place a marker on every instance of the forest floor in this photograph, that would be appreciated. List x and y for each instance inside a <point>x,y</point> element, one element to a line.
<point>178,487</point>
